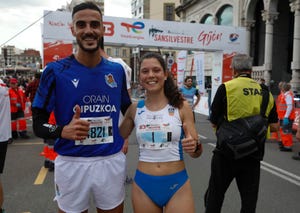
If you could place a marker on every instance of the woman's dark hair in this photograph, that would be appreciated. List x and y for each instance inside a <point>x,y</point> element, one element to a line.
<point>170,89</point>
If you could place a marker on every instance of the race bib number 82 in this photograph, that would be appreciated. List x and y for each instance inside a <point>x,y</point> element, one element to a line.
<point>101,131</point>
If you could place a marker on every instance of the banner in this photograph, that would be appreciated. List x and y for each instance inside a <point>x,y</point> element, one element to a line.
<point>227,71</point>
<point>216,76</point>
<point>181,64</point>
<point>149,33</point>
<point>199,69</point>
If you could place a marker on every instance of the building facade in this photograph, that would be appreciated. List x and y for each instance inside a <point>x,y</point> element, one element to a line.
<point>157,10</point>
<point>163,10</point>
<point>273,33</point>
<point>16,61</point>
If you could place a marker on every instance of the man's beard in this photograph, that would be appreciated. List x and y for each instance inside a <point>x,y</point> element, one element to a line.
<point>88,49</point>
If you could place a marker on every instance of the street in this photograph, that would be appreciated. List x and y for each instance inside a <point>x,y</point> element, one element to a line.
<point>28,187</point>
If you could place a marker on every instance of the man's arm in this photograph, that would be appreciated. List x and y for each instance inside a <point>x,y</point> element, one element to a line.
<point>218,106</point>
<point>198,99</point>
<point>41,127</point>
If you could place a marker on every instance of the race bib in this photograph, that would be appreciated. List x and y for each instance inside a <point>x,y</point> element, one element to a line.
<point>101,131</point>
<point>155,136</point>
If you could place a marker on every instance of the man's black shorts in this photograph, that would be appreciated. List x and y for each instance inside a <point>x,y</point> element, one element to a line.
<point>3,149</point>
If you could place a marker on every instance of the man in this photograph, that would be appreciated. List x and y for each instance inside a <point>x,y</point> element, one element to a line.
<point>86,93</point>
<point>17,107</point>
<point>188,92</point>
<point>32,87</point>
<point>240,97</point>
<point>5,131</point>
<point>286,115</point>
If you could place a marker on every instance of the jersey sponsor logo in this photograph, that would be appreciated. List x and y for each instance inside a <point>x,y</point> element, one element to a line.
<point>75,82</point>
<point>98,108</point>
<point>171,111</point>
<point>90,99</point>
<point>173,186</point>
<point>140,112</point>
<point>110,81</point>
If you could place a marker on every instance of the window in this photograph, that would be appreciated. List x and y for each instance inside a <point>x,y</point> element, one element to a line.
<point>124,53</point>
<point>207,19</point>
<point>117,52</point>
<point>108,51</point>
<point>169,12</point>
<point>225,16</point>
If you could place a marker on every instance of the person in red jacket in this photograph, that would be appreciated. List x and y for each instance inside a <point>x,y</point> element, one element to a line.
<point>286,114</point>
<point>17,107</point>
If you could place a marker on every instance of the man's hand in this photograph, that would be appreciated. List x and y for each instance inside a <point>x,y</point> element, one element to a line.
<point>125,146</point>
<point>77,129</point>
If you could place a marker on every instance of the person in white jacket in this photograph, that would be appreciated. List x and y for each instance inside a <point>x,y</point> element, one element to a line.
<point>5,131</point>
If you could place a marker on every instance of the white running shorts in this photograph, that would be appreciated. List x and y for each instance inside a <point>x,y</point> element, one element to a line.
<point>78,179</point>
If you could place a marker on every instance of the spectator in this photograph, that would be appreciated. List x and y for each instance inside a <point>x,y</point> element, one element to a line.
<point>189,92</point>
<point>5,132</point>
<point>32,87</point>
<point>286,114</point>
<point>17,107</point>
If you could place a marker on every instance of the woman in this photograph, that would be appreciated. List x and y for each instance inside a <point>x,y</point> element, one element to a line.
<point>161,120</point>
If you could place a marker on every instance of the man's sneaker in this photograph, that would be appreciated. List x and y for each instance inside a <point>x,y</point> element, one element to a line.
<point>51,166</point>
<point>285,149</point>
<point>296,157</point>
<point>24,135</point>
<point>47,164</point>
<point>10,142</point>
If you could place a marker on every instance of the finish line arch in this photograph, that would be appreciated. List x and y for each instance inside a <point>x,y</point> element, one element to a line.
<point>223,41</point>
<point>143,33</point>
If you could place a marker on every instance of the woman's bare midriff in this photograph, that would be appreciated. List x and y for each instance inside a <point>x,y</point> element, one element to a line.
<point>160,168</point>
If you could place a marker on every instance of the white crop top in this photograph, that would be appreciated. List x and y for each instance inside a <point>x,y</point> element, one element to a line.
<point>158,133</point>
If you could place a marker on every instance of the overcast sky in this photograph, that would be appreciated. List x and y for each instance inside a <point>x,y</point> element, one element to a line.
<point>17,15</point>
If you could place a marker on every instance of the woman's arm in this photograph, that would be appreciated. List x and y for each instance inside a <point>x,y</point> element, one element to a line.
<point>191,143</point>
<point>127,124</point>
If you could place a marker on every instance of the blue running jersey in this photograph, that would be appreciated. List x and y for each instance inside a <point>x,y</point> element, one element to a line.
<point>101,94</point>
<point>188,94</point>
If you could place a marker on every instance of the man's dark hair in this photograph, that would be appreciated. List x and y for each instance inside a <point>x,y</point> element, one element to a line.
<point>86,5</point>
<point>187,78</point>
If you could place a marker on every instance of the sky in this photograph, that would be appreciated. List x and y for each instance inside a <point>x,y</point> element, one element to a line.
<point>17,16</point>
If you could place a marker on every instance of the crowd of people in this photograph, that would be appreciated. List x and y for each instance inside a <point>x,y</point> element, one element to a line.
<point>92,124</point>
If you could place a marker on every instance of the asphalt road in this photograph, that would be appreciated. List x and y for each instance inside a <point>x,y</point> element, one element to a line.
<point>29,188</point>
